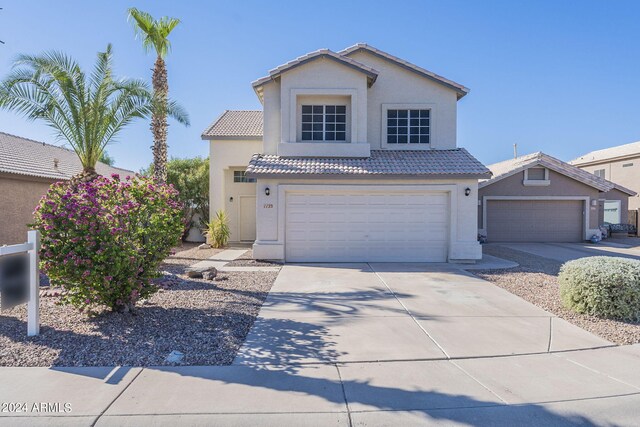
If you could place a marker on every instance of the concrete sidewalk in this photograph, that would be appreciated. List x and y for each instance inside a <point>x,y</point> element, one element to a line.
<point>589,387</point>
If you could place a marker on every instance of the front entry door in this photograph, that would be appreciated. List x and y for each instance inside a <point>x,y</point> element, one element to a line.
<point>247,218</point>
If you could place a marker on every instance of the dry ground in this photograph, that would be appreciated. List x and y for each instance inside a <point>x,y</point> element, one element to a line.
<point>535,280</point>
<point>205,320</point>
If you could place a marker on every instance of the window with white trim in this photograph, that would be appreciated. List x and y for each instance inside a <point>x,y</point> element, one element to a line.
<point>324,123</point>
<point>408,126</point>
<point>600,173</point>
<point>241,176</point>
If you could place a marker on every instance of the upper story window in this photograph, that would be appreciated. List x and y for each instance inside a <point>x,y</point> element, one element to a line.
<point>599,172</point>
<point>241,176</point>
<point>408,126</point>
<point>324,122</point>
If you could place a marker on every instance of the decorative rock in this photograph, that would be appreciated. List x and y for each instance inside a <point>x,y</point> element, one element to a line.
<point>204,246</point>
<point>175,357</point>
<point>198,272</point>
<point>210,275</point>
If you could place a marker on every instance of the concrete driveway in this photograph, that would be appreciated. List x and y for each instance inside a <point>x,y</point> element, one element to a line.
<point>564,252</point>
<point>329,313</point>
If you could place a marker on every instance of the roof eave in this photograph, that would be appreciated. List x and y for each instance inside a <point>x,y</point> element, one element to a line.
<point>251,174</point>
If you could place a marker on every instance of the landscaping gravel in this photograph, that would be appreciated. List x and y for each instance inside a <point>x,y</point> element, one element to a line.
<point>246,260</point>
<point>536,280</point>
<point>205,320</point>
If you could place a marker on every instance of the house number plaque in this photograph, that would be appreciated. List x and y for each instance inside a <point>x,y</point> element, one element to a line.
<point>268,206</point>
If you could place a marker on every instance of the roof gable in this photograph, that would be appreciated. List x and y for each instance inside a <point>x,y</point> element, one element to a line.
<point>312,56</point>
<point>511,167</point>
<point>457,87</point>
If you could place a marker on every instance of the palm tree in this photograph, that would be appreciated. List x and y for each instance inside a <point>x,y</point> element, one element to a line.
<point>154,34</point>
<point>86,111</point>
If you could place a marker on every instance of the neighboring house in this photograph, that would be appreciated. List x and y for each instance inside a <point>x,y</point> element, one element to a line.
<point>27,169</point>
<point>356,160</point>
<point>620,164</point>
<point>538,198</point>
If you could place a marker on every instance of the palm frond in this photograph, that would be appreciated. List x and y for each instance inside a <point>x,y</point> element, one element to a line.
<point>86,111</point>
<point>153,32</point>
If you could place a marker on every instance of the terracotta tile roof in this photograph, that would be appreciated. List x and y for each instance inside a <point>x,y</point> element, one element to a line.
<point>425,163</point>
<point>462,90</point>
<point>236,123</point>
<point>22,156</point>
<point>320,53</point>
<point>510,167</point>
<point>626,150</point>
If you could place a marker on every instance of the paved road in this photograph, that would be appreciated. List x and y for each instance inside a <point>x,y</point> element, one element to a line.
<point>367,344</point>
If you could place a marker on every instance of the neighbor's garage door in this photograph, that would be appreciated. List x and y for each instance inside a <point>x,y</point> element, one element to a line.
<point>366,225</point>
<point>535,220</point>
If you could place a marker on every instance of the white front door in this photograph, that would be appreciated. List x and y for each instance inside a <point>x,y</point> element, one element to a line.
<point>367,225</point>
<point>247,218</point>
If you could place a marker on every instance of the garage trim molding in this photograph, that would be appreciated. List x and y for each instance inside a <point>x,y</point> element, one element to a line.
<point>428,188</point>
<point>586,208</point>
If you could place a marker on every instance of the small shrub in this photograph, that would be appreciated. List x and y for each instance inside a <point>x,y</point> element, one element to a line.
<point>218,230</point>
<point>607,287</point>
<point>103,240</point>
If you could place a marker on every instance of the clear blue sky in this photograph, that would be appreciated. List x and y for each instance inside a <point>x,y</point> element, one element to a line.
<point>558,76</point>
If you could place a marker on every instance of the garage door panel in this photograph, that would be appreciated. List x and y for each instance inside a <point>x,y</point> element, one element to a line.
<point>367,226</point>
<point>535,220</point>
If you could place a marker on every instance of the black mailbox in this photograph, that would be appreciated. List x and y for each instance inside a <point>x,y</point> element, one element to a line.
<point>14,280</point>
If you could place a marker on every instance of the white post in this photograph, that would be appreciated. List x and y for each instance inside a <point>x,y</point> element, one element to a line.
<point>33,306</point>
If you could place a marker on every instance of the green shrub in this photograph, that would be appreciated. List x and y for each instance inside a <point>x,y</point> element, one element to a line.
<point>607,287</point>
<point>218,230</point>
<point>103,240</point>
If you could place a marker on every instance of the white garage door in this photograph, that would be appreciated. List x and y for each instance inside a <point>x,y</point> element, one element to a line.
<point>382,226</point>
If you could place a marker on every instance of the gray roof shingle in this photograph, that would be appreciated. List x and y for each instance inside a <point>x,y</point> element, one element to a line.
<point>425,163</point>
<point>236,123</point>
<point>22,156</point>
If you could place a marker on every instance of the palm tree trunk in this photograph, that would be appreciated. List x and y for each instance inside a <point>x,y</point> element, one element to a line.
<point>87,175</point>
<point>159,120</point>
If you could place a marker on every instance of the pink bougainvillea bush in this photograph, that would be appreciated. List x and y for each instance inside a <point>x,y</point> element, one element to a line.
<point>103,240</point>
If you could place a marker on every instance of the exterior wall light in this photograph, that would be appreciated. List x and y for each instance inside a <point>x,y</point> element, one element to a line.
<point>467,191</point>
<point>231,199</point>
<point>267,191</point>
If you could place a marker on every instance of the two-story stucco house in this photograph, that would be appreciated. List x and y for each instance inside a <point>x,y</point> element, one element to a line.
<point>354,159</point>
<point>620,164</point>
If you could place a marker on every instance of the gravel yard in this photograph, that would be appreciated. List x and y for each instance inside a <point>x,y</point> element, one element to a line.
<point>246,260</point>
<point>535,280</point>
<point>205,320</point>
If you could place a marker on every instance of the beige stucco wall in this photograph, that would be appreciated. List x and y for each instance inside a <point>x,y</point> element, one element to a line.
<point>18,198</point>
<point>224,157</point>
<point>628,177</point>
<point>270,239</point>
<point>395,85</point>
<point>560,186</point>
